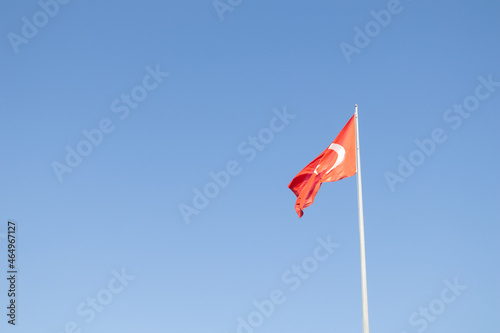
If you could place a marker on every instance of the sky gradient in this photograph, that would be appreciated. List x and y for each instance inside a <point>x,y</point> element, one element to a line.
<point>147,148</point>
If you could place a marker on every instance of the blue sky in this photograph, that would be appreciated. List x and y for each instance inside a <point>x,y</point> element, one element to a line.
<point>172,94</point>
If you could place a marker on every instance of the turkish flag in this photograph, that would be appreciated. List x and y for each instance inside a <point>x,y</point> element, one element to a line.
<point>337,162</point>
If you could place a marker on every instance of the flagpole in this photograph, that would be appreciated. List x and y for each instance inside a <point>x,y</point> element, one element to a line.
<point>364,289</point>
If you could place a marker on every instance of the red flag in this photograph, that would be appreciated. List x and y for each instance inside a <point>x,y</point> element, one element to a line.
<point>337,162</point>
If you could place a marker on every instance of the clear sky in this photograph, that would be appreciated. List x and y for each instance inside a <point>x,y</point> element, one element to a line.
<point>147,148</point>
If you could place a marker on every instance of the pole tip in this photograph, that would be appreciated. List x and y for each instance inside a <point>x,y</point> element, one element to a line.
<point>356,105</point>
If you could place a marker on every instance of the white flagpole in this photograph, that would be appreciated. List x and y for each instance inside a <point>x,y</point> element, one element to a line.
<point>364,291</point>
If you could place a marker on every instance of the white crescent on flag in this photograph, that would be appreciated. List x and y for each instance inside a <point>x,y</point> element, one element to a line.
<point>341,155</point>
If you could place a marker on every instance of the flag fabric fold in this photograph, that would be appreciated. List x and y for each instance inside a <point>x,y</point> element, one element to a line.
<point>337,162</point>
